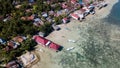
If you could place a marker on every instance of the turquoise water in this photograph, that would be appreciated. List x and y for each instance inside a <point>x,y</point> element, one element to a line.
<point>114,16</point>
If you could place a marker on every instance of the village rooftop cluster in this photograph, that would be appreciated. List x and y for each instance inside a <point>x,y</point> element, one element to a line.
<point>67,9</point>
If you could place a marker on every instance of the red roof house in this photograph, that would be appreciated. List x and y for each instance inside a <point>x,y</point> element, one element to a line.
<point>73,1</point>
<point>75,16</point>
<point>54,46</point>
<point>40,40</point>
<point>28,18</point>
<point>45,42</point>
<point>38,22</point>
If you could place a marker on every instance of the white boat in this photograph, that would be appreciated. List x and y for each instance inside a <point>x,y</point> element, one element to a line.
<point>70,48</point>
<point>69,40</point>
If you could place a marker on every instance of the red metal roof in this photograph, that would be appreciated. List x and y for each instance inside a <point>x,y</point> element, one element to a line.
<point>54,46</point>
<point>40,40</point>
<point>75,16</point>
<point>44,41</point>
<point>73,1</point>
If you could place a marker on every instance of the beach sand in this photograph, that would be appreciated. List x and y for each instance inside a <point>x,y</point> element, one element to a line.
<point>71,31</point>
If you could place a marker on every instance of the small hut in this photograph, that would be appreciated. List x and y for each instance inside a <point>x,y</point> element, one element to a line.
<point>55,27</point>
<point>13,44</point>
<point>19,38</point>
<point>75,16</point>
<point>65,20</point>
<point>13,64</point>
<point>38,22</point>
<point>2,41</point>
<point>41,34</point>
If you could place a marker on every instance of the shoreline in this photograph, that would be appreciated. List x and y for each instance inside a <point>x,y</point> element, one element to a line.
<point>69,31</point>
<point>104,12</point>
<point>69,27</point>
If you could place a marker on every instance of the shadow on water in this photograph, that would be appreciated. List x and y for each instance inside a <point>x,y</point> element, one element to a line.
<point>114,16</point>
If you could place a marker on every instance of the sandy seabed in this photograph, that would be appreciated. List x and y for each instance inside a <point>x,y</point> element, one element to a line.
<point>78,32</point>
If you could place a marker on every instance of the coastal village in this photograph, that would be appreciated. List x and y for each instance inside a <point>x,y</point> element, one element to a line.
<point>29,23</point>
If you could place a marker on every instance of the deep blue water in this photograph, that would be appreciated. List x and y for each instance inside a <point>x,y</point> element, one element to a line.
<point>114,16</point>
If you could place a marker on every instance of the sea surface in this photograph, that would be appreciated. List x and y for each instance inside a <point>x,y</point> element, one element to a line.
<point>114,16</point>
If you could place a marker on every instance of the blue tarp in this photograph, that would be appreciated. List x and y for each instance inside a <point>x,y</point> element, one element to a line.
<point>31,1</point>
<point>2,41</point>
<point>80,1</point>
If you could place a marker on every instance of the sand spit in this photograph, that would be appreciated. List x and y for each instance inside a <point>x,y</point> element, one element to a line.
<point>74,34</point>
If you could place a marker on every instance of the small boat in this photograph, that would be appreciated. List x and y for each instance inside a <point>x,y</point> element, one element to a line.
<point>69,40</point>
<point>70,48</point>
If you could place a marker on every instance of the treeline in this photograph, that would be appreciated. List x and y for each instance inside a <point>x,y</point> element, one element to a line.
<point>15,25</point>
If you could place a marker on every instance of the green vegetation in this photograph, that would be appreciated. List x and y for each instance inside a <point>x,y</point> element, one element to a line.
<point>10,55</point>
<point>14,26</point>
<point>4,9</point>
<point>46,28</point>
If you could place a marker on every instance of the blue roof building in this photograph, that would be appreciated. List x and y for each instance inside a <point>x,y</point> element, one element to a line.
<point>2,41</point>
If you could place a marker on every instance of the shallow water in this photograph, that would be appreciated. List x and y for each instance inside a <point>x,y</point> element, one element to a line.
<point>100,40</point>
